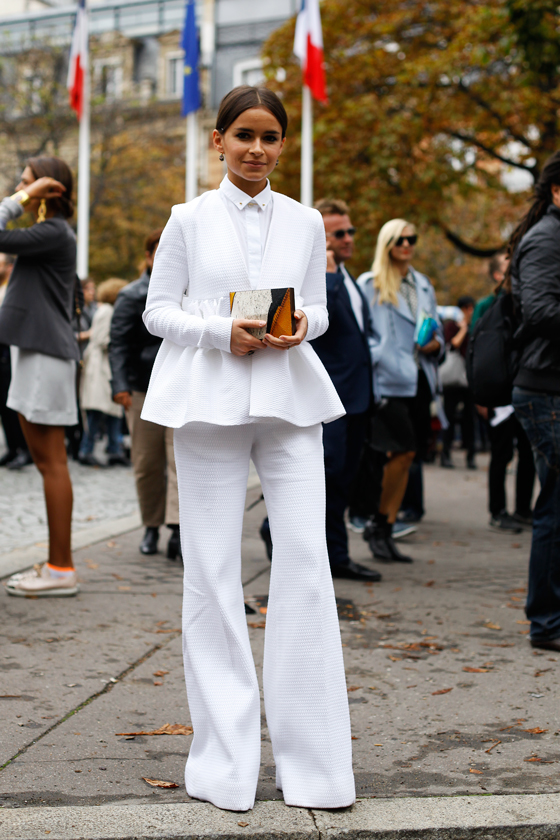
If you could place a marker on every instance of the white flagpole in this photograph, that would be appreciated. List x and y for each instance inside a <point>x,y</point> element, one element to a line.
<point>83,183</point>
<point>306,196</point>
<point>191,186</point>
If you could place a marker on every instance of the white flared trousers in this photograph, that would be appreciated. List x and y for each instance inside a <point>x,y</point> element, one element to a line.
<point>304,683</point>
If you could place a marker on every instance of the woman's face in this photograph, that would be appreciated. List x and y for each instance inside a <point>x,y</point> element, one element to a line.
<point>405,251</point>
<point>251,145</point>
<point>89,293</point>
<point>27,178</point>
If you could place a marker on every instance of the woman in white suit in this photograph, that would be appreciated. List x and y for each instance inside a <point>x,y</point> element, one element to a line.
<point>231,397</point>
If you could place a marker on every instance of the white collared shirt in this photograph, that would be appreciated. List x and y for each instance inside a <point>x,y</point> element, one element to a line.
<point>251,219</point>
<point>355,297</point>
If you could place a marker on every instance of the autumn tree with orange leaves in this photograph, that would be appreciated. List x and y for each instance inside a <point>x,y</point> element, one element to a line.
<point>435,108</point>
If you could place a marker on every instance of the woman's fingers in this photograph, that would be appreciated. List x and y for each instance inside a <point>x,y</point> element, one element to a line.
<point>45,188</point>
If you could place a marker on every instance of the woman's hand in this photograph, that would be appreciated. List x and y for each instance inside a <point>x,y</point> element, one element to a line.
<point>432,346</point>
<point>242,342</point>
<point>123,398</point>
<point>287,341</point>
<point>45,188</point>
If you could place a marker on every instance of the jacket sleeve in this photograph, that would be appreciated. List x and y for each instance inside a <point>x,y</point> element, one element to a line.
<point>122,329</point>
<point>163,315</point>
<point>435,357</point>
<point>37,239</point>
<point>313,289</point>
<point>539,287</point>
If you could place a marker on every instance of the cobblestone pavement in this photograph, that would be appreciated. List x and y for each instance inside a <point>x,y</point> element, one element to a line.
<point>99,494</point>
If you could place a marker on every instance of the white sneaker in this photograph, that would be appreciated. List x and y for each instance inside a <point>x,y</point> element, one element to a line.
<point>39,583</point>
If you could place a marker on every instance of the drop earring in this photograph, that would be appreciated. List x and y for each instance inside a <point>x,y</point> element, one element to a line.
<point>222,156</point>
<point>277,161</point>
<point>42,212</point>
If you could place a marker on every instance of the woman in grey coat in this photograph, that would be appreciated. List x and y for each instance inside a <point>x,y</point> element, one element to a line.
<point>36,321</point>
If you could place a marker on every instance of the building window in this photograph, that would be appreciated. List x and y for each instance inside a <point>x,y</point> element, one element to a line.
<point>248,72</point>
<point>174,76</point>
<point>108,77</point>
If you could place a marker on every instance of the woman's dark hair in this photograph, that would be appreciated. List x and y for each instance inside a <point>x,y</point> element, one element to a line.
<point>242,98</point>
<point>152,240</point>
<point>549,176</point>
<point>53,167</point>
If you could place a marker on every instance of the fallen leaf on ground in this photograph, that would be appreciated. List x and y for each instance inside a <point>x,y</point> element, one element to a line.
<point>91,565</point>
<point>166,729</point>
<point>355,738</point>
<point>519,621</point>
<point>524,632</point>
<point>429,583</point>
<point>116,576</point>
<point>515,598</point>
<point>158,682</point>
<point>353,687</point>
<point>495,744</point>
<point>492,626</point>
<point>242,824</point>
<point>171,630</point>
<point>478,772</point>
<point>260,624</point>
<point>476,670</point>
<point>159,783</point>
<point>111,544</point>
<point>540,673</point>
<point>378,745</point>
<point>123,588</point>
<point>160,623</point>
<point>535,731</point>
<point>442,691</point>
<point>537,758</point>
<point>161,673</point>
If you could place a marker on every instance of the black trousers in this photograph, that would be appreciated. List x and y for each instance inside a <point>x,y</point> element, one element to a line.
<point>452,397</point>
<point>343,441</point>
<point>10,421</point>
<point>503,439</point>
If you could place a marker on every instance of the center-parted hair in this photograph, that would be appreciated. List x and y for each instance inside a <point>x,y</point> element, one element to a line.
<point>243,98</point>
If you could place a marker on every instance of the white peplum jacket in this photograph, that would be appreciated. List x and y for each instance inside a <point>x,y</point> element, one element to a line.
<point>198,263</point>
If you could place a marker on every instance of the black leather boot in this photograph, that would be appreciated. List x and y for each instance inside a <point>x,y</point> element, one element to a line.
<point>149,541</point>
<point>396,555</point>
<point>375,535</point>
<point>266,537</point>
<point>174,544</point>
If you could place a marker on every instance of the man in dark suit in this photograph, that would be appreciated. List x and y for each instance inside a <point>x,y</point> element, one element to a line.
<point>344,351</point>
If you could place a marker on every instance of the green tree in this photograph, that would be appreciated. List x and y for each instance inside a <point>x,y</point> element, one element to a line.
<point>430,105</point>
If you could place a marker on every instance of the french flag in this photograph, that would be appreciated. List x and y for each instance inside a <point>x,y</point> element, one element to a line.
<point>78,65</point>
<point>308,46</point>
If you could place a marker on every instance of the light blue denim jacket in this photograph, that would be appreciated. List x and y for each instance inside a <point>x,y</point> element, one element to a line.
<point>395,372</point>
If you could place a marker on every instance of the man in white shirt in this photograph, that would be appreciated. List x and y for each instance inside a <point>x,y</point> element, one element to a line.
<point>344,351</point>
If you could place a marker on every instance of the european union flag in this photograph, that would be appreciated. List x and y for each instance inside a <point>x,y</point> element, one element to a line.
<point>189,42</point>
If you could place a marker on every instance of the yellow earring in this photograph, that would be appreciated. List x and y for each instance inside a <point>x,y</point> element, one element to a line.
<point>42,214</point>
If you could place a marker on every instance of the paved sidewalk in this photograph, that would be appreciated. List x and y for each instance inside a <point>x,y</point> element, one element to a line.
<point>446,695</point>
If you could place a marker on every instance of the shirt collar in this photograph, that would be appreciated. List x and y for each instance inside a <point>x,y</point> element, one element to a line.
<point>240,199</point>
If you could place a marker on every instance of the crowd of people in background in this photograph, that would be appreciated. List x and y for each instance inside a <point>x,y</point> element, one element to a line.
<point>396,359</point>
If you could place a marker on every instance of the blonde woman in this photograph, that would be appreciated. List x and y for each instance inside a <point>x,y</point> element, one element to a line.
<point>406,344</point>
<point>95,392</point>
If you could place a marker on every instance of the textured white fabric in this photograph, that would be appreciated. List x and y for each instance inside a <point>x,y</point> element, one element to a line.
<point>304,683</point>
<point>43,388</point>
<point>355,297</point>
<point>198,263</point>
<point>251,219</point>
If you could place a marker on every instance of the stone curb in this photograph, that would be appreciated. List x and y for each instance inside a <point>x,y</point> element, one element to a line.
<point>531,817</point>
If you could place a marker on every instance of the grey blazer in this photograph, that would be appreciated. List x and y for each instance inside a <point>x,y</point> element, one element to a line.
<point>39,303</point>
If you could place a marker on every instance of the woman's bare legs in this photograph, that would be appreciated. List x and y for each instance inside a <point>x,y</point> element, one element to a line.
<point>395,479</point>
<point>48,450</point>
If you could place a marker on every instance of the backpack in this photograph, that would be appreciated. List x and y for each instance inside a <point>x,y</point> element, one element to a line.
<point>492,354</point>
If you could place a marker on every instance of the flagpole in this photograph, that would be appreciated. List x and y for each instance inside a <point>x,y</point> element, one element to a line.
<point>191,186</point>
<point>83,182</point>
<point>306,196</point>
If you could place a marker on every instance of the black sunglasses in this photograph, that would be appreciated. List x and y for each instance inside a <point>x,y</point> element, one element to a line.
<point>340,234</point>
<point>412,240</point>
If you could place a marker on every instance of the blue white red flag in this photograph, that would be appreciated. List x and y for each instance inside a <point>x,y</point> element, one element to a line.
<point>189,43</point>
<point>78,64</point>
<point>308,46</point>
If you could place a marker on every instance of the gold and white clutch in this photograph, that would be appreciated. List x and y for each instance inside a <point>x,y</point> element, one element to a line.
<point>275,306</point>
